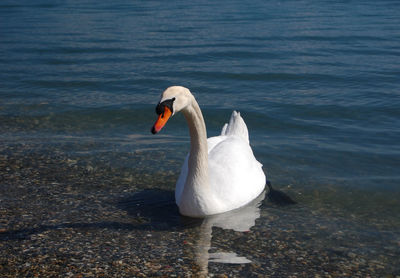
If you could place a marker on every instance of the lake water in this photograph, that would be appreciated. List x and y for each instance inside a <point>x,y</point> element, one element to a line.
<point>317,82</point>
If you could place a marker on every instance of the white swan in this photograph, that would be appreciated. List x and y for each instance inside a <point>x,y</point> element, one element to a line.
<point>219,174</point>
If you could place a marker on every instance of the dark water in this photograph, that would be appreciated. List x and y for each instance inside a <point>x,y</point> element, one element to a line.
<point>317,83</point>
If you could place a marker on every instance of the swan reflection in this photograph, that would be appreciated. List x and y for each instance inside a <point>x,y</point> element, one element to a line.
<point>239,220</point>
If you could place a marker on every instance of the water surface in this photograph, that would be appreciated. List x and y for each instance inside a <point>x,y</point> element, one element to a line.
<point>316,82</point>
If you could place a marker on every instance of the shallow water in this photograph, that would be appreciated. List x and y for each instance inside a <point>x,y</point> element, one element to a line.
<point>317,84</point>
<point>83,214</point>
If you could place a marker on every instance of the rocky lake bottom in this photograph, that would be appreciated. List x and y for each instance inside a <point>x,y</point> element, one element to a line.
<point>76,214</point>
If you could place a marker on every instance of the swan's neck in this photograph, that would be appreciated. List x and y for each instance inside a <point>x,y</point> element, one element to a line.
<point>197,183</point>
<point>198,138</point>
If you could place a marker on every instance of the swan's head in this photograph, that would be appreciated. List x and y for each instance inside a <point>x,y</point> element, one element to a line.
<point>173,100</point>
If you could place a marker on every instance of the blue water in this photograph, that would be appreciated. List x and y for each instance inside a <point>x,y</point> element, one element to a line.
<point>317,82</point>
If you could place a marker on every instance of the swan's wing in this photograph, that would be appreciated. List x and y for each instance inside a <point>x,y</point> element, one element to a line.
<point>236,177</point>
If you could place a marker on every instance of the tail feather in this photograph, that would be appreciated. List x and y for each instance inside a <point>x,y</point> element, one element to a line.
<point>223,131</point>
<point>236,127</point>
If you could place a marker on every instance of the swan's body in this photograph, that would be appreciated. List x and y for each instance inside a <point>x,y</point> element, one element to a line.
<point>219,174</point>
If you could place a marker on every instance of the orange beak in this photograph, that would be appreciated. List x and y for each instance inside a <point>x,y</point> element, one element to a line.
<point>162,120</point>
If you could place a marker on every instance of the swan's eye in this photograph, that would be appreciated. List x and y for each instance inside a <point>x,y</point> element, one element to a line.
<point>166,103</point>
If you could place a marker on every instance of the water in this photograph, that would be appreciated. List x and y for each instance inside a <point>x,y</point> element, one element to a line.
<point>316,82</point>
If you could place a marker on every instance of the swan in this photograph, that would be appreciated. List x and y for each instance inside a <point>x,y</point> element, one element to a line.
<point>220,173</point>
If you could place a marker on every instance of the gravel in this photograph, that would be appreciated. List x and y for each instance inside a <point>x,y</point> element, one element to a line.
<point>70,213</point>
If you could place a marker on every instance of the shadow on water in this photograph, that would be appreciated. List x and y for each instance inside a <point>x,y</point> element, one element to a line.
<point>156,209</point>
<point>150,210</point>
<point>22,234</point>
<point>278,197</point>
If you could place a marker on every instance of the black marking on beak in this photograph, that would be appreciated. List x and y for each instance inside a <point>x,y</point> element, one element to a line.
<point>168,103</point>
